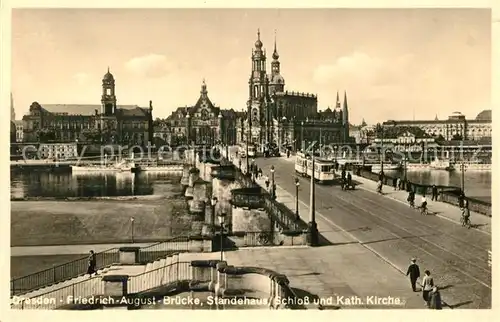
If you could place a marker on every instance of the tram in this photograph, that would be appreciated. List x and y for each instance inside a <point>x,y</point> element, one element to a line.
<point>324,170</point>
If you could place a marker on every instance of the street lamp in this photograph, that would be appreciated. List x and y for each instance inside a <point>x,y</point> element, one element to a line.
<point>213,201</point>
<point>132,224</point>
<point>302,136</point>
<point>222,217</point>
<point>313,235</point>
<point>463,168</point>
<point>297,184</point>
<point>273,192</point>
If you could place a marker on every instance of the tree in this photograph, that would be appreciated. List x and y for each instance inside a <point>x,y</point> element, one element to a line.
<point>45,134</point>
<point>91,135</point>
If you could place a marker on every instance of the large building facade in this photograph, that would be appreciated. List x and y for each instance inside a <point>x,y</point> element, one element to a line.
<point>275,115</point>
<point>200,124</point>
<point>106,123</point>
<point>456,127</point>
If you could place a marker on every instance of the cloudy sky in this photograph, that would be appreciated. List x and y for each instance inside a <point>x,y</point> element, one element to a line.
<point>393,63</point>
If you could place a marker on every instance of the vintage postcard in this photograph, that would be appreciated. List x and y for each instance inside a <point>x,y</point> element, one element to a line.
<point>211,158</point>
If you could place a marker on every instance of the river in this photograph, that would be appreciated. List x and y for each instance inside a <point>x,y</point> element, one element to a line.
<point>477,183</point>
<point>32,184</point>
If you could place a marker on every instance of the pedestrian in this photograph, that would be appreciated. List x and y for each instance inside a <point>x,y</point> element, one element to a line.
<point>461,200</point>
<point>414,273</point>
<point>395,183</point>
<point>427,286</point>
<point>435,302</point>
<point>92,264</point>
<point>266,178</point>
<point>434,193</point>
<point>398,183</point>
<point>260,172</point>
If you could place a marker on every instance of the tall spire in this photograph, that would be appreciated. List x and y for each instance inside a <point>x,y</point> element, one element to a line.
<point>276,56</point>
<point>345,101</point>
<point>258,43</point>
<point>12,111</point>
<point>337,104</point>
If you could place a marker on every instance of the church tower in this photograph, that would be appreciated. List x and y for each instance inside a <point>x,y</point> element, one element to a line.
<point>108,98</point>
<point>345,118</point>
<point>277,83</point>
<point>258,90</point>
<point>12,111</point>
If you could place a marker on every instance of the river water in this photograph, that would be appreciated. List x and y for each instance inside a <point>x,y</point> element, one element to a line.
<point>477,183</point>
<point>34,184</point>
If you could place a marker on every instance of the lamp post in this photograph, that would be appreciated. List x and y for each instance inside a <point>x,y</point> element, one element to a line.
<point>313,227</point>
<point>297,184</point>
<point>213,202</point>
<point>222,217</point>
<point>302,136</point>
<point>382,155</point>
<point>273,192</point>
<point>463,168</point>
<point>132,228</point>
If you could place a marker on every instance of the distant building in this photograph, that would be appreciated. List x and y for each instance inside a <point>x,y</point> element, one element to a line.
<point>19,130</point>
<point>106,123</point>
<point>58,151</point>
<point>455,127</point>
<point>200,124</point>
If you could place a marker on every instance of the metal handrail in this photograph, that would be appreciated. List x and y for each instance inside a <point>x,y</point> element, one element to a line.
<point>75,268</point>
<point>61,272</point>
<point>62,296</point>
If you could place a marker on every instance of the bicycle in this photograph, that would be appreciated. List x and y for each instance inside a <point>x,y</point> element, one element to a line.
<point>465,221</point>
<point>423,210</point>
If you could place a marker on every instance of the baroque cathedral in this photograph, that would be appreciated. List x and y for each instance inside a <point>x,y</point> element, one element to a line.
<point>275,115</point>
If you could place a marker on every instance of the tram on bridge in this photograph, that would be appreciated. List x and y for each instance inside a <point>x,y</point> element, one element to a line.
<point>324,170</point>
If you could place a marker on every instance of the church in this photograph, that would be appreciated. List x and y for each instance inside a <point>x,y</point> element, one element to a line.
<point>283,117</point>
<point>105,123</point>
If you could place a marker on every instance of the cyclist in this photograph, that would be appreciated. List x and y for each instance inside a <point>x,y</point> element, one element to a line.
<point>423,206</point>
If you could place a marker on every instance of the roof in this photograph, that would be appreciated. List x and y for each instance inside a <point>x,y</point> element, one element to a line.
<point>89,109</point>
<point>484,116</point>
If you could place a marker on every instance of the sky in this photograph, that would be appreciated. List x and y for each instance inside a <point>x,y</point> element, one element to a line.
<point>393,63</point>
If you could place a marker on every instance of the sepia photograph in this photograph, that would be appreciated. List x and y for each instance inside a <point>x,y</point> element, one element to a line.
<point>250,159</point>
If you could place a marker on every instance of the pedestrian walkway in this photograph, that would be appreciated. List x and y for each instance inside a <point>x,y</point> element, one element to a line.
<point>68,249</point>
<point>441,209</point>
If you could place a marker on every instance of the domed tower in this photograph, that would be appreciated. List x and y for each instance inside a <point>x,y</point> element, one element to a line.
<point>108,98</point>
<point>258,90</point>
<point>277,82</point>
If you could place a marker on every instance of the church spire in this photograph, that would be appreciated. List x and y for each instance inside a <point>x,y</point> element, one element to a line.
<point>345,112</point>
<point>337,104</point>
<point>276,56</point>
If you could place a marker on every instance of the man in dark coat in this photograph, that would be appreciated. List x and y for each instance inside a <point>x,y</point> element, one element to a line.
<point>414,272</point>
<point>434,193</point>
<point>92,264</point>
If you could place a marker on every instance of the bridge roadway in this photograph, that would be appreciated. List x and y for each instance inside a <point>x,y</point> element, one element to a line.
<point>455,256</point>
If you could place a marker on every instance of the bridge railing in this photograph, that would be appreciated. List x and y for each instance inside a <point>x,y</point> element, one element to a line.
<point>62,272</point>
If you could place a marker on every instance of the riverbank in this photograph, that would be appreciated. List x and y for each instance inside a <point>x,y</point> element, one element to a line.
<point>99,221</point>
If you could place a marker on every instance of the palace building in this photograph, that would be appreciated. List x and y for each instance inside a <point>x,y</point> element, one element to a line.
<point>105,123</point>
<point>276,115</point>
<point>456,127</point>
<point>200,124</point>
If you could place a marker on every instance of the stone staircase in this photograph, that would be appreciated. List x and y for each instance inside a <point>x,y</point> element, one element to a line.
<point>141,278</point>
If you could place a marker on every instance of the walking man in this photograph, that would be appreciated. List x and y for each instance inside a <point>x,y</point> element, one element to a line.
<point>427,286</point>
<point>414,273</point>
<point>395,183</point>
<point>434,193</point>
<point>92,264</point>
